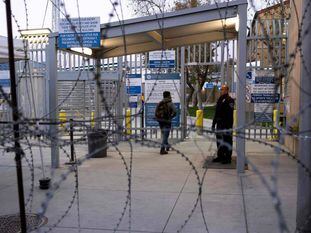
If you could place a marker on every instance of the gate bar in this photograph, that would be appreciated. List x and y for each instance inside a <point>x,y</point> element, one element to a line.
<point>53,102</point>
<point>241,86</point>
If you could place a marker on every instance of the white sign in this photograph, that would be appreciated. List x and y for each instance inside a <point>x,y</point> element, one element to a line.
<point>263,112</point>
<point>154,89</point>
<point>85,28</point>
<point>133,84</point>
<point>162,59</point>
<point>250,79</point>
<point>263,107</point>
<point>155,85</point>
<point>263,88</point>
<point>83,24</point>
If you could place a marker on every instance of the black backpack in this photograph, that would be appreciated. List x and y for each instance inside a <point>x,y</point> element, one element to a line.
<point>162,111</point>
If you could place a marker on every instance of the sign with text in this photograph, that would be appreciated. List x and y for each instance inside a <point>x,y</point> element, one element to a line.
<point>162,59</point>
<point>133,99</point>
<point>155,85</point>
<point>211,85</point>
<point>79,32</point>
<point>249,82</point>
<point>264,88</point>
<point>208,85</point>
<point>133,84</point>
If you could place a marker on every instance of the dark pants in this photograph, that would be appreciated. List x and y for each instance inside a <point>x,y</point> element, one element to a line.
<point>224,144</point>
<point>165,133</point>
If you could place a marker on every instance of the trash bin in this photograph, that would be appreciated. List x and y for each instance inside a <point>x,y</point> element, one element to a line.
<point>97,143</point>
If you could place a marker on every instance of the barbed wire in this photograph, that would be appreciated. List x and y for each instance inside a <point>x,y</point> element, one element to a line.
<point>120,131</point>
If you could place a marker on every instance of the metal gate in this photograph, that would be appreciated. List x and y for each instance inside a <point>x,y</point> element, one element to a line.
<point>267,51</point>
<point>138,64</point>
<point>77,100</point>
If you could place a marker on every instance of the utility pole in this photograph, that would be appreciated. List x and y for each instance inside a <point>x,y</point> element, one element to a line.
<point>303,219</point>
<point>17,147</point>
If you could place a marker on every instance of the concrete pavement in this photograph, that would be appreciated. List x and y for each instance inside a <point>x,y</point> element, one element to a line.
<point>164,191</point>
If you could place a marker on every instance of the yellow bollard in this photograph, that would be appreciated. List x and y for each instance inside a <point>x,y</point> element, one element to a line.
<point>92,119</point>
<point>235,121</point>
<point>128,122</point>
<point>199,121</point>
<point>275,135</point>
<point>62,118</point>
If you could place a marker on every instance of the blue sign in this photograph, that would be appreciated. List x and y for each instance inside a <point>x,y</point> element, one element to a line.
<point>134,90</point>
<point>5,82</point>
<point>162,64</point>
<point>150,115</point>
<point>133,104</point>
<point>79,32</point>
<point>265,98</point>
<point>249,75</point>
<point>208,85</point>
<point>86,39</point>
<point>264,80</point>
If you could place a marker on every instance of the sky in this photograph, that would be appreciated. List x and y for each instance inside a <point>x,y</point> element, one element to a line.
<point>87,8</point>
<point>36,10</point>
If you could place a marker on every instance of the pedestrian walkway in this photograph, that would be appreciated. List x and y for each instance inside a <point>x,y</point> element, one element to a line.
<point>164,191</point>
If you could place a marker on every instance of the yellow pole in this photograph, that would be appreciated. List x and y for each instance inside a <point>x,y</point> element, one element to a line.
<point>92,119</point>
<point>128,122</point>
<point>62,117</point>
<point>275,124</point>
<point>199,121</point>
<point>235,122</point>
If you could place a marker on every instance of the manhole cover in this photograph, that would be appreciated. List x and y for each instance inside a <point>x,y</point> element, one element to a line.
<point>11,223</point>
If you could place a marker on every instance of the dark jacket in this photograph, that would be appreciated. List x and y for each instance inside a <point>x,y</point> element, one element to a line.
<point>166,121</point>
<point>223,118</point>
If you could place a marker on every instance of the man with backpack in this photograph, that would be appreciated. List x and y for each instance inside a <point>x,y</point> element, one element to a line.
<point>164,113</point>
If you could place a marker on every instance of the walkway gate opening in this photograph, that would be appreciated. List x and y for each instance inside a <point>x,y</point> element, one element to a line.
<point>161,32</point>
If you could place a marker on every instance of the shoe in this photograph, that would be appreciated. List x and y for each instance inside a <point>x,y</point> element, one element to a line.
<point>217,160</point>
<point>167,149</point>
<point>163,152</point>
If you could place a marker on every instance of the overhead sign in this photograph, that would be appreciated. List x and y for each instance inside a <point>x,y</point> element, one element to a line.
<point>162,59</point>
<point>155,85</point>
<point>133,84</point>
<point>5,81</point>
<point>79,32</point>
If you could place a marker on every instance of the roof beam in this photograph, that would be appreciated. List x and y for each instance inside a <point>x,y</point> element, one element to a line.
<point>170,43</point>
<point>171,19</point>
<point>156,37</point>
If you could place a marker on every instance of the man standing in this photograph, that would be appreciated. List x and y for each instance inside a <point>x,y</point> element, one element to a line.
<point>223,120</point>
<point>164,113</point>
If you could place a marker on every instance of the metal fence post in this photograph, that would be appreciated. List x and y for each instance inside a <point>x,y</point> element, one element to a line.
<point>183,114</point>
<point>241,86</point>
<point>303,219</point>
<point>121,100</point>
<point>97,97</point>
<point>15,116</point>
<point>53,99</point>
